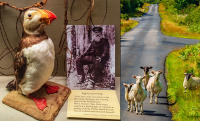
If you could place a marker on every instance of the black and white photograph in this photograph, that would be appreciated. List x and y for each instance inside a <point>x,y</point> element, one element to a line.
<point>91,61</point>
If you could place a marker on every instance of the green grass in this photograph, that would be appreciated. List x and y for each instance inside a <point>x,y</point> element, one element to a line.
<point>170,26</point>
<point>184,106</point>
<point>127,25</point>
<point>140,11</point>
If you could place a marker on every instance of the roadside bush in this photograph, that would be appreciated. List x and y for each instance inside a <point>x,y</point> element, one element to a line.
<point>169,5</point>
<point>192,53</point>
<point>179,5</point>
<point>124,16</point>
<point>193,17</point>
<point>188,9</point>
<point>153,1</point>
<point>125,7</point>
<point>130,6</point>
<point>193,20</point>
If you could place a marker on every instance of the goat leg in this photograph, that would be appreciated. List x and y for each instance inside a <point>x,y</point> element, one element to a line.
<point>151,97</point>
<point>131,106</point>
<point>136,104</point>
<point>156,98</point>
<point>141,108</point>
<point>149,93</point>
<point>185,90</point>
<point>128,105</point>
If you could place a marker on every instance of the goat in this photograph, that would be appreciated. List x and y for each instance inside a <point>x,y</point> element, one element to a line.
<point>190,81</point>
<point>138,93</point>
<point>154,86</point>
<point>129,100</point>
<point>146,75</point>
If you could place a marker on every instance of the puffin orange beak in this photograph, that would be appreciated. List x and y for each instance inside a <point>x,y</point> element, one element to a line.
<point>47,16</point>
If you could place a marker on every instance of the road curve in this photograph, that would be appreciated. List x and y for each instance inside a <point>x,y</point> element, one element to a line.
<point>146,45</point>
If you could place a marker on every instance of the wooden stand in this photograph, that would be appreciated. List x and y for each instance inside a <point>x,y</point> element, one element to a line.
<point>28,106</point>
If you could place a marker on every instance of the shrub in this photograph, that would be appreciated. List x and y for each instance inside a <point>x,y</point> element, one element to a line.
<point>193,17</point>
<point>125,16</point>
<point>190,52</point>
<point>179,5</point>
<point>188,9</point>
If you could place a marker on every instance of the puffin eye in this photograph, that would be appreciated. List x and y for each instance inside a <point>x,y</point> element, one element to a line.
<point>29,15</point>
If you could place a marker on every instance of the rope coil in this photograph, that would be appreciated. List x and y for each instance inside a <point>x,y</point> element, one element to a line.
<point>38,4</point>
<point>88,11</point>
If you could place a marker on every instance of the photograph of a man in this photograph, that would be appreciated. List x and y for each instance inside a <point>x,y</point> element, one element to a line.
<point>96,57</point>
<point>93,57</point>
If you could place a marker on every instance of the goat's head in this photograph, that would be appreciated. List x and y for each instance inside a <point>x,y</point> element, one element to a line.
<point>146,69</point>
<point>188,76</point>
<point>156,72</point>
<point>138,79</point>
<point>128,86</point>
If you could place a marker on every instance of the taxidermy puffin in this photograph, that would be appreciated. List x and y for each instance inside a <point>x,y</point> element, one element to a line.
<point>34,60</point>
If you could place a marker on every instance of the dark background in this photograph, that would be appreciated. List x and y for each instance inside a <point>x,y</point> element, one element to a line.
<point>9,17</point>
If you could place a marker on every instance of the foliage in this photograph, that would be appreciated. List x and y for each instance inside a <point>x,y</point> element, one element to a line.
<point>152,1</point>
<point>184,106</point>
<point>125,6</point>
<point>185,12</point>
<point>192,54</point>
<point>193,20</point>
<point>130,6</point>
<point>173,24</point>
<point>179,4</point>
<point>124,16</point>
<point>141,10</point>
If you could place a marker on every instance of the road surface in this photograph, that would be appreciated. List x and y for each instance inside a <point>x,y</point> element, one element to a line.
<point>145,45</point>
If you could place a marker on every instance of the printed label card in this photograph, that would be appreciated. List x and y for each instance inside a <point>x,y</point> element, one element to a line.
<point>93,104</point>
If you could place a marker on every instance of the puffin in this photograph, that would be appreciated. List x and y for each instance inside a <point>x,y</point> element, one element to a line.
<point>34,59</point>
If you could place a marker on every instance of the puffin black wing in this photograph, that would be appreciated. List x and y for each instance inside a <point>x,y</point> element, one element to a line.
<point>20,64</point>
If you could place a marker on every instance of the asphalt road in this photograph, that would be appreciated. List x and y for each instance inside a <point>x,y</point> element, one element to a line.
<point>146,45</point>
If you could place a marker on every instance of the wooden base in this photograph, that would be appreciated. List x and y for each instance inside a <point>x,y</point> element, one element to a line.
<point>28,106</point>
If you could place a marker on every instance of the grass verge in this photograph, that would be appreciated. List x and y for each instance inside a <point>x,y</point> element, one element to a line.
<point>170,27</point>
<point>127,25</point>
<point>184,106</point>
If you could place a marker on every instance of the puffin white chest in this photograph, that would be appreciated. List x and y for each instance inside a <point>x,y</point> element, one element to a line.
<point>40,63</point>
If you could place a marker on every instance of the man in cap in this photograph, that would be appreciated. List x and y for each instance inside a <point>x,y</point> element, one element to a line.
<point>97,55</point>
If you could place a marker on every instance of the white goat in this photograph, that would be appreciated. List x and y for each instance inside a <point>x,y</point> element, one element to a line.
<point>129,100</point>
<point>190,81</point>
<point>146,70</point>
<point>138,93</point>
<point>154,86</point>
